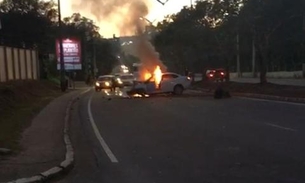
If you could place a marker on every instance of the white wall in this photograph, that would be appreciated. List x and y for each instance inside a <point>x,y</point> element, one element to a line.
<point>18,64</point>
<point>2,65</point>
<point>9,63</point>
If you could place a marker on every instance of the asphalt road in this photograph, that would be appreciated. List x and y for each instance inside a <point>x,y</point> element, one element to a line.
<point>186,140</point>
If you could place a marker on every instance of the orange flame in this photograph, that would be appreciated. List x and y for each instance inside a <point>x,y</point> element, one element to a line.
<point>147,75</point>
<point>157,76</point>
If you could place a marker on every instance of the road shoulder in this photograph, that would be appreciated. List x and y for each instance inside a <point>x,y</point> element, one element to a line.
<point>42,144</point>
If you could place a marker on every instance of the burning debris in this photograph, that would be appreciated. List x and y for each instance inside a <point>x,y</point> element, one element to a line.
<point>139,95</point>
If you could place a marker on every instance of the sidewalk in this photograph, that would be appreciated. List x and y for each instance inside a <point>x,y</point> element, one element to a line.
<point>42,143</point>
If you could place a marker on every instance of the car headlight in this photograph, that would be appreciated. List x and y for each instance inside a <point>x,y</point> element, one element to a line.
<point>119,81</point>
<point>97,84</point>
<point>107,83</point>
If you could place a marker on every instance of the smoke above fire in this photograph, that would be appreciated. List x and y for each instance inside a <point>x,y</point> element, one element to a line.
<point>128,16</point>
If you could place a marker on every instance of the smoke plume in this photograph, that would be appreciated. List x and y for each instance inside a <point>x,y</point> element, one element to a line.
<point>128,17</point>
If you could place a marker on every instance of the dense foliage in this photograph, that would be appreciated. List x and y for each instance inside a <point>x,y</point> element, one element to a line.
<point>206,35</point>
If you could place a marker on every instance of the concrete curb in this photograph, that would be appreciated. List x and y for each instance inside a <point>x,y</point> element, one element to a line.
<point>4,151</point>
<point>259,96</point>
<point>65,165</point>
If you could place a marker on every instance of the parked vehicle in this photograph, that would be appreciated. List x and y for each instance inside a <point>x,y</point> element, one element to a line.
<point>218,75</point>
<point>107,82</point>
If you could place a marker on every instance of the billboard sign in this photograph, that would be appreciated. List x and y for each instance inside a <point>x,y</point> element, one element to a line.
<point>71,52</point>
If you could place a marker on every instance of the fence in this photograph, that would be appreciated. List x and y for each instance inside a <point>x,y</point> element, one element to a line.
<point>18,64</point>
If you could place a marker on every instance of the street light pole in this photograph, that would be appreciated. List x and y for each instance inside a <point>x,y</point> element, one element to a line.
<point>94,58</point>
<point>63,83</point>
<point>303,39</point>
<point>237,56</point>
<point>253,57</point>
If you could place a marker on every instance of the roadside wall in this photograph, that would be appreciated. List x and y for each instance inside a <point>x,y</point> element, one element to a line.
<point>18,64</point>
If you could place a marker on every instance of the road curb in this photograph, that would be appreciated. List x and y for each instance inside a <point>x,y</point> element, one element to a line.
<point>4,151</point>
<point>260,96</point>
<point>66,164</point>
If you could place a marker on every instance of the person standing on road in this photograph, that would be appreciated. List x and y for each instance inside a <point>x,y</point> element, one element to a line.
<point>113,84</point>
<point>186,72</point>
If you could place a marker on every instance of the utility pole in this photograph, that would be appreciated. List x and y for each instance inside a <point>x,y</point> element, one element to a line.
<point>237,50</point>
<point>94,58</point>
<point>237,56</point>
<point>303,39</point>
<point>253,56</point>
<point>63,83</point>
<point>191,4</point>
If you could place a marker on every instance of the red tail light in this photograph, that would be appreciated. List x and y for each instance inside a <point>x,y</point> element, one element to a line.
<point>188,78</point>
<point>222,73</point>
<point>211,75</point>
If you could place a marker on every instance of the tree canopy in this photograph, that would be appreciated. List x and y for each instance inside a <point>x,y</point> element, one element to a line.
<point>206,35</point>
<point>195,38</point>
<point>33,24</point>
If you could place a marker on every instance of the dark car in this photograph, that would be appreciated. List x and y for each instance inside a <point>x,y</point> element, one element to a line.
<point>107,82</point>
<point>216,75</point>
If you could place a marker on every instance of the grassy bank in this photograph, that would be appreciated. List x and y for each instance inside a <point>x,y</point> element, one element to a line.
<point>20,101</point>
<point>267,89</point>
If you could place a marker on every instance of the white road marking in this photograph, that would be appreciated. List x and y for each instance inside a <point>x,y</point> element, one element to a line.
<point>85,91</point>
<point>281,127</point>
<point>106,148</point>
<point>274,101</point>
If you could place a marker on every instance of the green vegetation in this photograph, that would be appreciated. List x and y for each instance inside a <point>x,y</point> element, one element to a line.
<point>206,36</point>
<point>20,101</point>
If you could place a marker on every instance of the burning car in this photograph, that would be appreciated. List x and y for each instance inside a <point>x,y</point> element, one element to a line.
<point>159,82</point>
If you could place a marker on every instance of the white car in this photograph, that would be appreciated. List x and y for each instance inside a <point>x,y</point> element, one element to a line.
<point>170,83</point>
<point>127,79</point>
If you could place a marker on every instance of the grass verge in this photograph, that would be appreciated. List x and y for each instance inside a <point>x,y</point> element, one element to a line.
<point>267,89</point>
<point>20,101</point>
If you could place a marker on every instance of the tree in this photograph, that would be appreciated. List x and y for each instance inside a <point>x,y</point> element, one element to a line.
<point>199,37</point>
<point>26,23</point>
<point>33,24</point>
<point>265,18</point>
<point>205,36</point>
